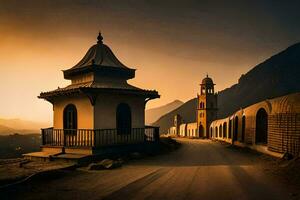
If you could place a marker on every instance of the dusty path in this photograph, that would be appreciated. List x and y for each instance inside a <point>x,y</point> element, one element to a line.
<point>200,169</point>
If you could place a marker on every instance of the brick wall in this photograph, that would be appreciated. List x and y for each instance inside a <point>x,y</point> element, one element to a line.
<point>284,133</point>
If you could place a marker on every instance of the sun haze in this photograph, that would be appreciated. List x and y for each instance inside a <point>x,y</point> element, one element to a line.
<point>172,45</point>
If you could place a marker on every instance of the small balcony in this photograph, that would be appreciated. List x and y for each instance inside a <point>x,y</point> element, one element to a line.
<point>96,138</point>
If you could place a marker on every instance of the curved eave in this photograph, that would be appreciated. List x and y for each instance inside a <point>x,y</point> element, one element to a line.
<point>126,73</point>
<point>151,94</point>
<point>49,96</point>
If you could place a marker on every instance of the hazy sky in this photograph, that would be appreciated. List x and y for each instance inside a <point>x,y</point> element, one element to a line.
<point>172,44</point>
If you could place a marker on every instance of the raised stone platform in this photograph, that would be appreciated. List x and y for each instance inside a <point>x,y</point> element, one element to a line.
<point>39,156</point>
<point>83,155</point>
<point>78,158</point>
<point>49,156</point>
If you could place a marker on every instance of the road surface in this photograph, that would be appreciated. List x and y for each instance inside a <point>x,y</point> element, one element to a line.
<point>200,169</point>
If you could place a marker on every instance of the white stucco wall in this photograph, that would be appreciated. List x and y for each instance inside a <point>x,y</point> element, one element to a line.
<point>84,111</point>
<point>103,114</point>
<point>106,106</point>
<point>172,130</point>
<point>192,130</point>
<point>182,130</point>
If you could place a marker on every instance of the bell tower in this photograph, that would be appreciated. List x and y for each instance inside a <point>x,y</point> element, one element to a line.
<point>206,107</point>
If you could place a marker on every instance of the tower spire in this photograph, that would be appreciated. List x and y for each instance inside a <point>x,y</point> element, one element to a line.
<point>100,38</point>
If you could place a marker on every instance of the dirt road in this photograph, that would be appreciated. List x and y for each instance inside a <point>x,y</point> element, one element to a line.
<point>200,169</point>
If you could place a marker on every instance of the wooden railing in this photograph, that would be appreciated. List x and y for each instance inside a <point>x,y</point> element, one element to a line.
<point>98,137</point>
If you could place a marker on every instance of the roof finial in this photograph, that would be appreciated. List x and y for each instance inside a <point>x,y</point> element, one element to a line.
<point>206,75</point>
<point>100,38</point>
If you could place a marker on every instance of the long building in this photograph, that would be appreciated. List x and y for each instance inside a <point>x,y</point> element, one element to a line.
<point>271,126</point>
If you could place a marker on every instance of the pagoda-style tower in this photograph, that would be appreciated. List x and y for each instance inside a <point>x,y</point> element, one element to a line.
<point>99,107</point>
<point>206,107</point>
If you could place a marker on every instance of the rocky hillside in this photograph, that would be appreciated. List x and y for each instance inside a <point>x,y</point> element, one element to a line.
<point>151,115</point>
<point>187,111</point>
<point>277,76</point>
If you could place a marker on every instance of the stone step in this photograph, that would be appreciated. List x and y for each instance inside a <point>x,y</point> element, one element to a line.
<point>49,156</point>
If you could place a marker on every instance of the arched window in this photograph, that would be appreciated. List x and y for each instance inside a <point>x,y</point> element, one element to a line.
<point>216,131</point>
<point>220,131</point>
<point>70,117</point>
<point>123,119</point>
<point>201,105</point>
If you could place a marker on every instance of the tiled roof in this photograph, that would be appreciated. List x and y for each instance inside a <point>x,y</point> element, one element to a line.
<point>107,87</point>
<point>99,55</point>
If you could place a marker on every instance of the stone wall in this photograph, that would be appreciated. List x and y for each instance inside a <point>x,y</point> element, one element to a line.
<point>283,125</point>
<point>284,133</point>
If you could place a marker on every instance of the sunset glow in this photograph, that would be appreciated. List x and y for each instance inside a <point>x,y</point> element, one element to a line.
<point>171,51</point>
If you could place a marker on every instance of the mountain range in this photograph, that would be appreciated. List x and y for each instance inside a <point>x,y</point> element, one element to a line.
<point>276,76</point>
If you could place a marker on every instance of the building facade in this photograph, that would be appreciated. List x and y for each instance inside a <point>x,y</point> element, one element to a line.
<point>206,106</point>
<point>270,126</point>
<point>99,107</point>
<point>206,112</point>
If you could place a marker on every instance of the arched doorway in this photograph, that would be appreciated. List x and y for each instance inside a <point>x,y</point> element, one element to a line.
<point>225,130</point>
<point>261,131</point>
<point>70,117</point>
<point>236,128</point>
<point>70,124</point>
<point>123,120</point>
<point>211,132</point>
<point>220,131</point>
<point>216,131</point>
<point>201,130</point>
<point>243,128</point>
